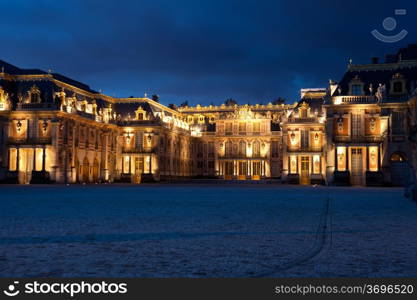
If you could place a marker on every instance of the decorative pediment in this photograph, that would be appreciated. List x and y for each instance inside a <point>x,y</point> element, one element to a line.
<point>34,90</point>
<point>244,113</point>
<point>34,95</point>
<point>356,80</point>
<point>140,114</point>
<point>397,76</point>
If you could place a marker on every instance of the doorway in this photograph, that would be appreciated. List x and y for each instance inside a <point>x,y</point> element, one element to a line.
<point>95,170</point>
<point>357,167</point>
<point>138,169</point>
<point>228,175</point>
<point>305,170</point>
<point>85,170</point>
<point>256,170</point>
<point>243,170</point>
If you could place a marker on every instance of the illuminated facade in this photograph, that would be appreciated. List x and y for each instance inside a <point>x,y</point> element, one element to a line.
<point>355,132</point>
<point>237,142</point>
<point>304,139</point>
<point>370,117</point>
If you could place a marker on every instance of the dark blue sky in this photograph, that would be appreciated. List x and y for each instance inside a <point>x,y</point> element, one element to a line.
<point>200,51</point>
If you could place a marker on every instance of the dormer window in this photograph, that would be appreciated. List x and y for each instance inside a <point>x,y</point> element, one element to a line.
<point>303,110</point>
<point>356,87</point>
<point>34,94</point>
<point>398,84</point>
<point>397,87</point>
<point>140,114</point>
<point>34,98</point>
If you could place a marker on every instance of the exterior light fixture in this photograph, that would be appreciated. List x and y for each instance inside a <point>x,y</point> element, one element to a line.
<point>19,126</point>
<point>44,125</point>
<point>340,124</point>
<point>372,124</point>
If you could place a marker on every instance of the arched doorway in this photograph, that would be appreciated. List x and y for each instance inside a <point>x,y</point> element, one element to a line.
<point>85,170</point>
<point>400,170</point>
<point>77,169</point>
<point>95,170</point>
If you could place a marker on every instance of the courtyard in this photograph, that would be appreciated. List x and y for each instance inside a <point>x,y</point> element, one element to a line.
<point>206,230</point>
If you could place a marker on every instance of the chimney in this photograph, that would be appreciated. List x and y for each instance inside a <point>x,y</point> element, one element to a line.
<point>375,60</point>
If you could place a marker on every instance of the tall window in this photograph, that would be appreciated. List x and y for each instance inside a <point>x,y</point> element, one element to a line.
<point>200,150</point>
<point>242,149</point>
<point>256,149</point>
<point>256,127</point>
<point>293,164</point>
<point>229,148</point>
<point>356,125</point>
<point>229,128</point>
<point>242,128</point>
<point>139,141</point>
<point>373,158</point>
<point>397,122</point>
<point>304,138</point>
<point>341,158</point>
<point>275,149</point>
<point>235,149</point>
<point>211,149</point>
<point>316,164</point>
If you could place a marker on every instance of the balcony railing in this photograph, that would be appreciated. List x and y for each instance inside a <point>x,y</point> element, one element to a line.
<point>134,150</point>
<point>304,149</point>
<point>30,141</point>
<point>302,120</point>
<point>241,156</point>
<point>37,106</point>
<point>358,139</point>
<point>354,99</point>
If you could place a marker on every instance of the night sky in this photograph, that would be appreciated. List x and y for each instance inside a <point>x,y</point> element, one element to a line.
<point>200,51</point>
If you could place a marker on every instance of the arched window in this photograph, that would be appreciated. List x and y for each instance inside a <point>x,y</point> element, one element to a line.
<point>242,148</point>
<point>256,149</point>
<point>229,148</point>
<point>398,157</point>
<point>235,149</point>
<point>34,94</point>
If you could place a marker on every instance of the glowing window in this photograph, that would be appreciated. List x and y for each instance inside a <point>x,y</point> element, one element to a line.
<point>397,157</point>
<point>293,164</point>
<point>341,158</point>
<point>316,164</point>
<point>373,158</point>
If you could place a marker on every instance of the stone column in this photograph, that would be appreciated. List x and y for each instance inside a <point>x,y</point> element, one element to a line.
<point>43,158</point>
<point>17,158</point>
<point>34,159</point>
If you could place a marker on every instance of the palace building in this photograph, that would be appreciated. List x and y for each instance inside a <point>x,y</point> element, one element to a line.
<point>359,131</point>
